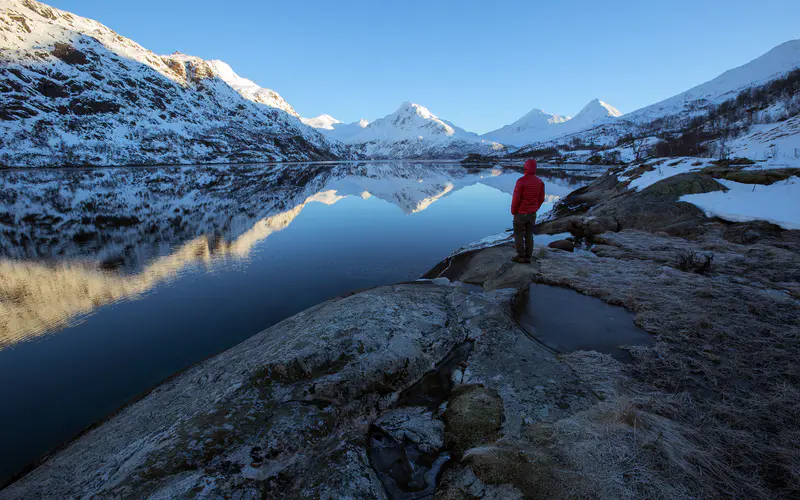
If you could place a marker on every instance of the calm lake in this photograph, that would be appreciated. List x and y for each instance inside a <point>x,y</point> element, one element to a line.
<point>113,279</point>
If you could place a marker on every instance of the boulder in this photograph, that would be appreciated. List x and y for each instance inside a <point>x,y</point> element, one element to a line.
<point>564,225</point>
<point>656,208</point>
<point>609,223</point>
<point>282,415</point>
<point>566,245</point>
<point>594,227</point>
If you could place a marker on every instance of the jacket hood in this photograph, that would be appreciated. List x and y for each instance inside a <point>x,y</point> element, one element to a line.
<point>530,167</point>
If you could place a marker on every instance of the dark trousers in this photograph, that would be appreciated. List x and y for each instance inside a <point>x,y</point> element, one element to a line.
<point>523,234</point>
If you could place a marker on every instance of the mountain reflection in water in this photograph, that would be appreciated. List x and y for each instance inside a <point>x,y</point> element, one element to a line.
<point>211,255</point>
<point>77,240</point>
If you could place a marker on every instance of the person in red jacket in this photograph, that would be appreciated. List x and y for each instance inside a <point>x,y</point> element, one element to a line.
<point>528,198</point>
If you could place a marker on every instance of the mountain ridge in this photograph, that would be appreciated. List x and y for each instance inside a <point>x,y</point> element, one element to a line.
<point>538,125</point>
<point>411,131</point>
<point>74,92</point>
<point>774,63</point>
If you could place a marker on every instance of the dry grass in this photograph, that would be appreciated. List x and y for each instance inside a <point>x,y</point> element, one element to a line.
<point>716,406</point>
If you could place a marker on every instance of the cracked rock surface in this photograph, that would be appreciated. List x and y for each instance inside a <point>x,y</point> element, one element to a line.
<point>287,413</point>
<point>431,389</point>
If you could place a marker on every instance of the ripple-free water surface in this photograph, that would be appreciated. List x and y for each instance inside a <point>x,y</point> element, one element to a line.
<point>114,279</point>
<point>566,321</point>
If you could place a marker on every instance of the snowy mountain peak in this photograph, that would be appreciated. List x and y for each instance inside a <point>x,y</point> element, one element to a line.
<point>539,125</point>
<point>197,68</point>
<point>336,129</point>
<point>539,115</point>
<point>534,123</point>
<point>594,111</point>
<point>414,108</point>
<point>612,111</point>
<point>97,98</point>
<point>324,122</point>
<point>416,120</point>
<point>412,131</point>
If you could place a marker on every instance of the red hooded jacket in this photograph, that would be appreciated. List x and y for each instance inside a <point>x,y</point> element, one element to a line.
<point>529,191</point>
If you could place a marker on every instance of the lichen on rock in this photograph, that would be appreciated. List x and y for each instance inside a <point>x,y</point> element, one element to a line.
<point>474,416</point>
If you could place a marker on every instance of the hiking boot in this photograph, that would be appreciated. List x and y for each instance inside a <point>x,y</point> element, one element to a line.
<point>526,260</point>
<point>518,259</point>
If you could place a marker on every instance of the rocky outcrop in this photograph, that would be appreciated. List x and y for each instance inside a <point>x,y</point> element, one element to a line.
<point>656,208</point>
<point>286,413</point>
<point>566,245</point>
<point>608,205</point>
<point>431,388</point>
<point>734,322</point>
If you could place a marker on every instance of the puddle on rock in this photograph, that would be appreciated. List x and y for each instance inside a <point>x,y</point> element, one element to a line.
<point>435,386</point>
<point>566,321</point>
<point>406,470</point>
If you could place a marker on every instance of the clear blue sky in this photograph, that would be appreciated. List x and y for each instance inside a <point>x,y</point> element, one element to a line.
<point>479,64</point>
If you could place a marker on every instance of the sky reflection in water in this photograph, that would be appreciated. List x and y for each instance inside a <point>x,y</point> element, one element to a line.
<point>212,255</point>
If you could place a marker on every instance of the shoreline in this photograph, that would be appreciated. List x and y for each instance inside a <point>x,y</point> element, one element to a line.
<point>628,265</point>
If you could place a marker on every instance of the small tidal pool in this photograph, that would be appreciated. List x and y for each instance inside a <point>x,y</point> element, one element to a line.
<point>566,321</point>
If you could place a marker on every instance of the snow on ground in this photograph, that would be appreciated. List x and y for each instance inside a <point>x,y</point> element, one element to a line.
<point>774,64</point>
<point>489,241</point>
<point>778,143</point>
<point>672,166</point>
<point>777,203</point>
<point>539,240</point>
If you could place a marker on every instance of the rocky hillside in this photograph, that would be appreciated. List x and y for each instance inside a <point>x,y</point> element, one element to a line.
<point>750,111</point>
<point>74,92</point>
<point>434,389</point>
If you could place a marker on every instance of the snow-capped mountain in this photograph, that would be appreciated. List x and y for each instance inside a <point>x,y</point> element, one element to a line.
<point>324,122</point>
<point>527,129</point>
<point>594,112</point>
<point>776,63</point>
<point>248,89</point>
<point>336,129</point>
<point>74,92</point>
<point>539,125</point>
<point>672,115</point>
<point>410,132</point>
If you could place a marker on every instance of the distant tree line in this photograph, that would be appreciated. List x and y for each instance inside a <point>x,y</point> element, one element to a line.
<point>729,119</point>
<point>707,133</point>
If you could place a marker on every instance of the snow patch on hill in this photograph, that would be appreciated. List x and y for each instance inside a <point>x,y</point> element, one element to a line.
<point>778,143</point>
<point>662,171</point>
<point>774,64</point>
<point>250,90</point>
<point>778,203</point>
